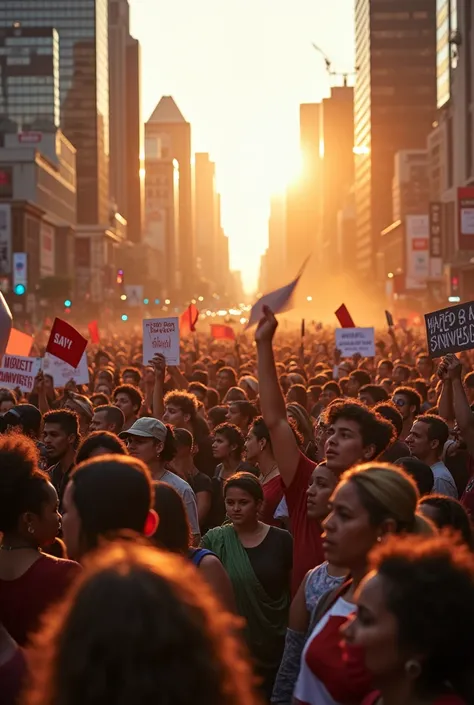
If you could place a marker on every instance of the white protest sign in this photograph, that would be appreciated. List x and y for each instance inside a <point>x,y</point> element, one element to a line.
<point>62,373</point>
<point>17,371</point>
<point>352,341</point>
<point>161,335</point>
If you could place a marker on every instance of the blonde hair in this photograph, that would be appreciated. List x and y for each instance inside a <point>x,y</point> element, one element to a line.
<point>386,492</point>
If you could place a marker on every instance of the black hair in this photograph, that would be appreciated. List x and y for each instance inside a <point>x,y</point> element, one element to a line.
<point>230,372</point>
<point>187,403</point>
<point>134,394</point>
<point>450,514</point>
<point>200,376</point>
<point>113,415</point>
<point>387,362</point>
<point>374,429</point>
<point>422,388</point>
<point>235,394</point>
<point>169,446</point>
<point>246,409</point>
<point>469,380</point>
<point>197,387</point>
<point>183,438</point>
<point>260,430</point>
<point>414,399</point>
<point>132,372</point>
<point>361,376</point>
<point>112,493</point>
<point>100,439</point>
<point>429,588</point>
<point>332,387</point>
<point>419,471</point>
<point>377,393</point>
<point>23,487</point>
<point>405,368</point>
<point>438,429</point>
<point>233,435</point>
<point>66,419</point>
<point>212,398</point>
<point>99,354</point>
<point>173,532</point>
<point>298,392</point>
<point>388,410</point>
<point>100,399</point>
<point>217,415</point>
<point>246,482</point>
<point>8,395</point>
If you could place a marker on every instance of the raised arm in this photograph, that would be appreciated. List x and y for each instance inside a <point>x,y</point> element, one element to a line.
<point>462,411</point>
<point>272,403</point>
<point>159,365</point>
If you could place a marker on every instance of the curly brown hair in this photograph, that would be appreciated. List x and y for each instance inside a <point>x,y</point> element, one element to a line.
<point>140,626</point>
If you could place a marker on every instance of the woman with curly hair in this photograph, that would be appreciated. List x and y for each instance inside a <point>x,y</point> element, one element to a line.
<point>30,580</point>
<point>415,623</point>
<point>140,627</point>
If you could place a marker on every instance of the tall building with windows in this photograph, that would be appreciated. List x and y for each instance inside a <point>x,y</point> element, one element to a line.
<point>82,26</point>
<point>395,100</point>
<point>446,48</point>
<point>125,119</point>
<point>29,85</point>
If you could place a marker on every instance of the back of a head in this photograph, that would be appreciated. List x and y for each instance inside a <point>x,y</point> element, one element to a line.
<point>25,416</point>
<point>183,438</point>
<point>386,492</point>
<point>419,471</point>
<point>103,440</point>
<point>113,415</point>
<point>173,532</point>
<point>111,493</point>
<point>389,411</point>
<point>121,635</point>
<point>447,513</point>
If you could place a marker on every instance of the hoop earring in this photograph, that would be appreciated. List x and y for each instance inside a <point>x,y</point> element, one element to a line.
<point>413,668</point>
<point>31,529</point>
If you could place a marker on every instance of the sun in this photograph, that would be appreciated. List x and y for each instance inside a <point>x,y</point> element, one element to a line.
<point>283,170</point>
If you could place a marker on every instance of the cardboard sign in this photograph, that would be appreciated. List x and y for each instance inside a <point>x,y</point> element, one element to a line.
<point>344,317</point>
<point>17,371</point>
<point>19,343</point>
<point>66,343</point>
<point>161,335</point>
<point>352,341</point>
<point>62,373</point>
<point>450,330</point>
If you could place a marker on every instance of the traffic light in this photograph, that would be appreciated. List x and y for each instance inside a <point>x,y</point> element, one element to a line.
<point>120,277</point>
<point>20,289</point>
<point>124,317</point>
<point>146,301</point>
<point>67,303</point>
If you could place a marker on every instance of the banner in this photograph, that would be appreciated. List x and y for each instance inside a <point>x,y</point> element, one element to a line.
<point>66,343</point>
<point>417,268</point>
<point>221,332</point>
<point>353,341</point>
<point>62,373</point>
<point>161,335</point>
<point>19,372</point>
<point>450,329</point>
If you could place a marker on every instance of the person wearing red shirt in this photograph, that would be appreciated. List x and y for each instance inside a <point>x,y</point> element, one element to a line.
<point>355,435</point>
<point>258,450</point>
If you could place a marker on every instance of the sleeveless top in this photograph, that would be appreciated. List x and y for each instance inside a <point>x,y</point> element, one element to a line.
<point>196,555</point>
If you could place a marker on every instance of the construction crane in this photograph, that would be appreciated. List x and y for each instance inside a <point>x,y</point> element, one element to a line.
<point>328,62</point>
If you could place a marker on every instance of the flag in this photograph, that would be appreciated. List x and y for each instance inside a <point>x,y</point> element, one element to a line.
<point>66,343</point>
<point>302,327</point>
<point>277,301</point>
<point>19,343</point>
<point>221,332</point>
<point>389,318</point>
<point>93,327</point>
<point>344,317</point>
<point>188,320</point>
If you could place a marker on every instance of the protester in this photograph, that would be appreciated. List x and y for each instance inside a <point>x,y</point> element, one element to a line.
<point>30,580</point>
<point>258,559</point>
<point>408,403</point>
<point>82,406</point>
<point>100,443</point>
<point>421,473</point>
<point>61,438</point>
<point>129,400</point>
<point>258,451</point>
<point>107,418</point>
<point>241,414</point>
<point>447,513</point>
<point>183,466</point>
<point>426,442</point>
<point>154,633</point>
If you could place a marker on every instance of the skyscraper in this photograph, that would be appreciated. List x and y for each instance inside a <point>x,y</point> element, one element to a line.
<point>29,84</point>
<point>394,106</point>
<point>82,26</point>
<point>168,120</point>
<point>206,212</point>
<point>125,122</point>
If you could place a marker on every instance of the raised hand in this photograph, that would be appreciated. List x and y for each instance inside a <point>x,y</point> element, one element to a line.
<point>453,366</point>
<point>267,326</point>
<point>159,365</point>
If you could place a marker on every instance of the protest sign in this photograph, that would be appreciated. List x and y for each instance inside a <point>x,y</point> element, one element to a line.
<point>62,373</point>
<point>19,343</point>
<point>17,371</point>
<point>450,330</point>
<point>277,301</point>
<point>221,332</point>
<point>93,328</point>
<point>66,343</point>
<point>188,320</point>
<point>344,317</point>
<point>352,341</point>
<point>161,335</point>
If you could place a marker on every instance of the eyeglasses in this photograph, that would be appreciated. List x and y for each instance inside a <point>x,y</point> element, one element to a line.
<point>399,402</point>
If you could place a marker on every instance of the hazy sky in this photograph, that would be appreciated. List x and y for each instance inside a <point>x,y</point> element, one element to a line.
<point>238,70</point>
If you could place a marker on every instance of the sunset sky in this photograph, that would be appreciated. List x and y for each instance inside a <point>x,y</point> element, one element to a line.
<point>238,70</point>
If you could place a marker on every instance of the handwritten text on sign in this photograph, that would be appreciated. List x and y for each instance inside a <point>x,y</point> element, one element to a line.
<point>161,335</point>
<point>352,341</point>
<point>450,329</point>
<point>16,371</point>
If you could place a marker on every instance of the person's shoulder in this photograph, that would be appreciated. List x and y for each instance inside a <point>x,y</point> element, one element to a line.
<point>281,535</point>
<point>176,481</point>
<point>202,483</point>
<point>51,565</point>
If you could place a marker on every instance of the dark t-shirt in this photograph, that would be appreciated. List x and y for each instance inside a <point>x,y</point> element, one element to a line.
<point>272,561</point>
<point>397,450</point>
<point>204,459</point>
<point>200,483</point>
<point>12,676</point>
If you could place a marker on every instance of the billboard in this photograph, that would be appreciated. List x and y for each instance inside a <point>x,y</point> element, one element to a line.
<point>417,238</point>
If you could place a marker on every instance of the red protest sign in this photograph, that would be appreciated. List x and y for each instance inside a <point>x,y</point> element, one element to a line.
<point>220,332</point>
<point>188,320</point>
<point>66,343</point>
<point>93,327</point>
<point>344,317</point>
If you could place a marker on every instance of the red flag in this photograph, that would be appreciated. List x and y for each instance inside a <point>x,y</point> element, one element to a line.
<point>188,320</point>
<point>220,332</point>
<point>66,343</point>
<point>93,327</point>
<point>344,317</point>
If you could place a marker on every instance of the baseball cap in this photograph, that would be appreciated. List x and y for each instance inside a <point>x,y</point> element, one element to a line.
<point>25,415</point>
<point>147,428</point>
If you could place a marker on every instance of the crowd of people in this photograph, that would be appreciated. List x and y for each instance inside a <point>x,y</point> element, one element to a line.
<point>267,522</point>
